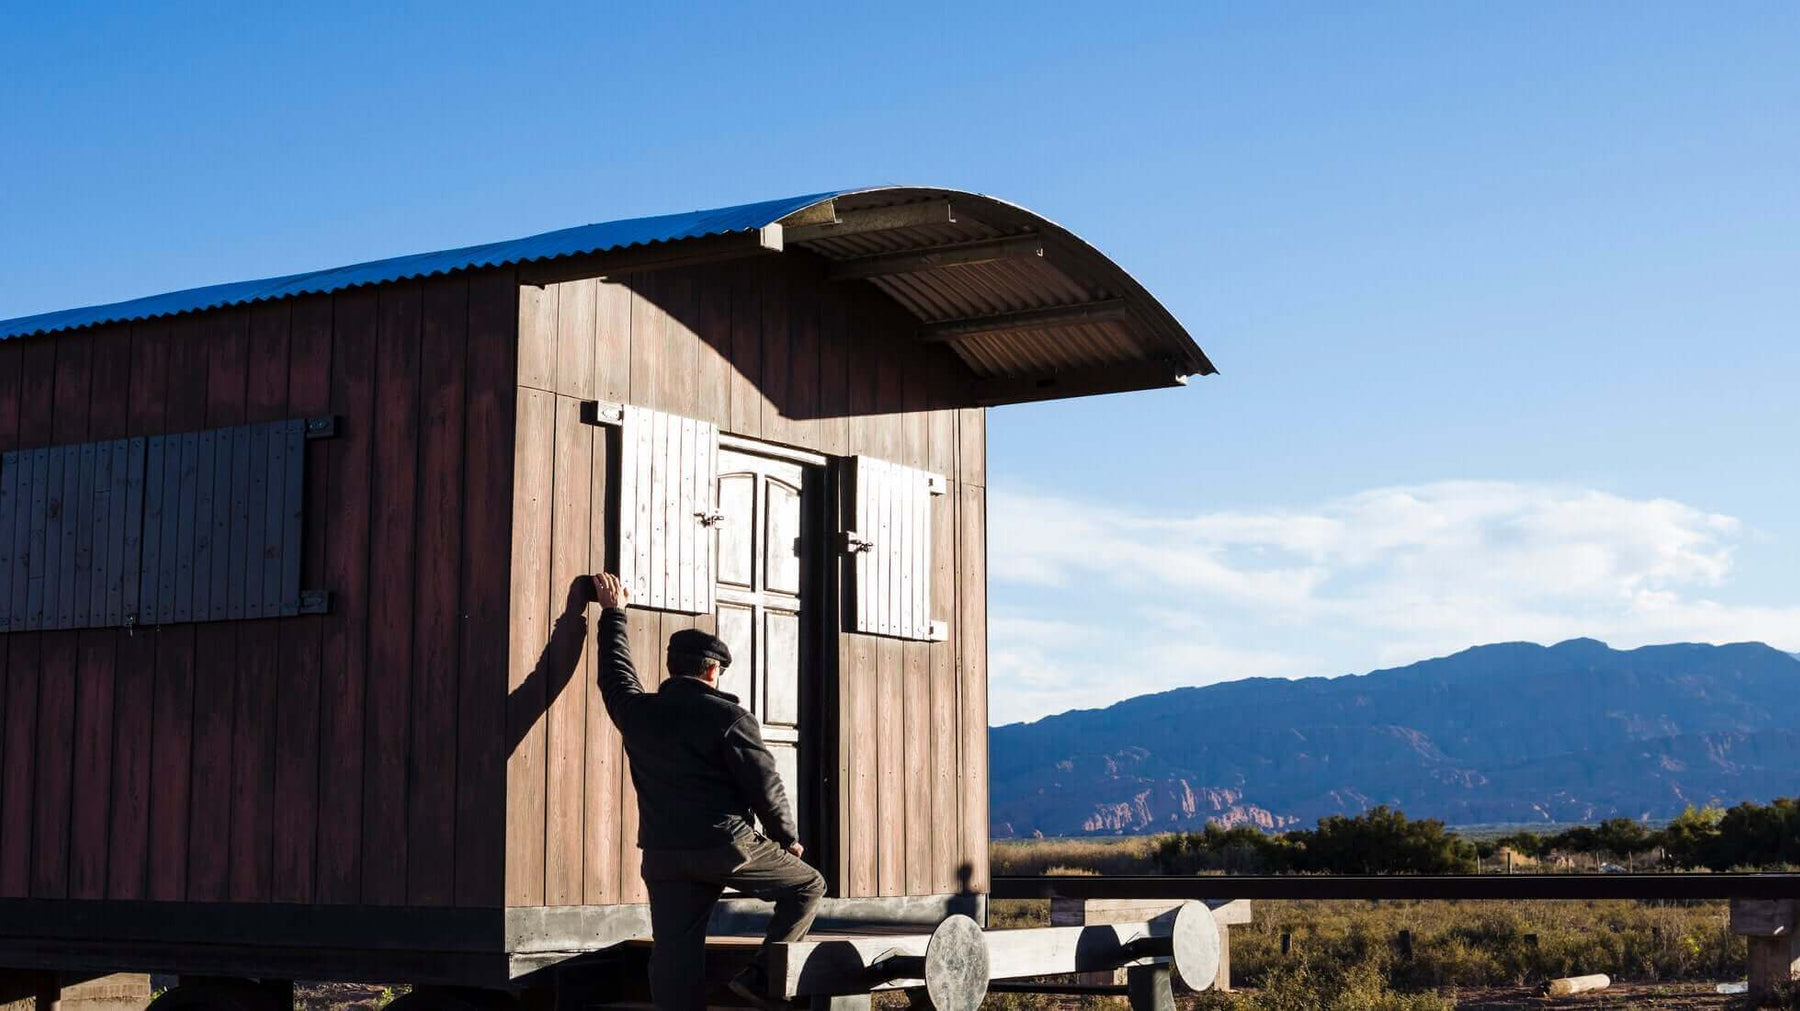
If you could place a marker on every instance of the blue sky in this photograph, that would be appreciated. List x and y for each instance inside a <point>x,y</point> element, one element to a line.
<point>1504,296</point>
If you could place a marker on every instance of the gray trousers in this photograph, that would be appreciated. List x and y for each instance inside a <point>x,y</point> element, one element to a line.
<point>686,884</point>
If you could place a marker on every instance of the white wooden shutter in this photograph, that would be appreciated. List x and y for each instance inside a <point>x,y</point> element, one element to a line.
<point>890,549</point>
<point>666,511</point>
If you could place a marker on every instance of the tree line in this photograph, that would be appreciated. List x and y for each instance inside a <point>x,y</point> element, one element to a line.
<point>1385,841</point>
<point>1747,836</point>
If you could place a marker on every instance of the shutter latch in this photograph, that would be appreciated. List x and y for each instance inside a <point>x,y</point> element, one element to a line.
<point>710,519</point>
<point>850,542</point>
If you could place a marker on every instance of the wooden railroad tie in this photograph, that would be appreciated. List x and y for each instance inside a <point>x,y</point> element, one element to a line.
<point>957,962</point>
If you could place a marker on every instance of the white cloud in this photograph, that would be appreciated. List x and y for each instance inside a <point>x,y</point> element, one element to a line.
<point>1385,576</point>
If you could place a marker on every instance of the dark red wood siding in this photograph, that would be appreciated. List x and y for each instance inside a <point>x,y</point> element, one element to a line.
<point>353,757</point>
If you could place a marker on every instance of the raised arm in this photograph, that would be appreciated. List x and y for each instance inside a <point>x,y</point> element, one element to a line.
<point>619,685</point>
<point>759,783</point>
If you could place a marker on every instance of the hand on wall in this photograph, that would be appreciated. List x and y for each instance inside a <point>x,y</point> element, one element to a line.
<point>609,591</point>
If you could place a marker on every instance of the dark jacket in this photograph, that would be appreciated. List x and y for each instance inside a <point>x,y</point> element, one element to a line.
<point>697,757</point>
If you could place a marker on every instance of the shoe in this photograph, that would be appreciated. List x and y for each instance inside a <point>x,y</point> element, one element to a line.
<point>752,984</point>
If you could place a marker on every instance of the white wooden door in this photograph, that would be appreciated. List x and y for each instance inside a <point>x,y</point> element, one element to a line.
<point>759,570</point>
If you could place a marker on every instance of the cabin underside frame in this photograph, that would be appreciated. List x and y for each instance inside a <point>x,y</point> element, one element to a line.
<point>490,948</point>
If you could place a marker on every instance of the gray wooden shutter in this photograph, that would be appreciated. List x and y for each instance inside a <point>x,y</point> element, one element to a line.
<point>667,467</point>
<point>890,549</point>
<point>196,526</point>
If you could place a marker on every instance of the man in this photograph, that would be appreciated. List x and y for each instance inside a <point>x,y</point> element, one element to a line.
<point>701,771</point>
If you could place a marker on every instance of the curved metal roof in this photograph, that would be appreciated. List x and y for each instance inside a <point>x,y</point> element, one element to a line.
<point>1015,295</point>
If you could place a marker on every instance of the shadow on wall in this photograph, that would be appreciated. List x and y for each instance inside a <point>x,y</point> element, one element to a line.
<point>775,329</point>
<point>779,332</point>
<point>556,665</point>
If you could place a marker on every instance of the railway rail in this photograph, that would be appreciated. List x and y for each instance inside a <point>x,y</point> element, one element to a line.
<point>1401,886</point>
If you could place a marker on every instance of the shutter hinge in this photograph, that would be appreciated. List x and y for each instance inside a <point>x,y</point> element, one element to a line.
<point>315,601</point>
<point>935,484</point>
<point>850,542</point>
<point>602,412</point>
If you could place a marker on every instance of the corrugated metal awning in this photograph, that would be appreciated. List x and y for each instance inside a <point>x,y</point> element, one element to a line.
<point>1035,312</point>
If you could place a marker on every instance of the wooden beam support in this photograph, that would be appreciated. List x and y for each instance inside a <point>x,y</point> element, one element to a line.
<point>49,993</point>
<point>872,219</point>
<point>1774,964</point>
<point>662,255</point>
<point>1147,988</point>
<point>1768,927</point>
<point>1124,378</point>
<point>839,965</point>
<point>1045,951</point>
<point>1103,311</point>
<point>1066,912</point>
<point>961,254</point>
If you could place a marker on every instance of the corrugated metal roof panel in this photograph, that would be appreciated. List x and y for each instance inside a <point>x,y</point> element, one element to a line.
<point>1069,273</point>
<point>575,241</point>
<point>1146,345</point>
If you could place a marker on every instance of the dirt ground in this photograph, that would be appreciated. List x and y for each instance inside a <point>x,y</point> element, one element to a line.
<point>340,997</point>
<point>1683,996</point>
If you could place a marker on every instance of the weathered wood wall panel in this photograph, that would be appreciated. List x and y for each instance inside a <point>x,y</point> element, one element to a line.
<point>765,349</point>
<point>485,589</point>
<point>565,743</point>
<point>97,693</point>
<point>432,759</point>
<point>971,556</point>
<point>356,756</point>
<point>208,360</point>
<point>527,691</point>
<point>52,797</point>
<point>392,594</point>
<point>346,638</point>
<point>298,692</point>
<point>604,755</point>
<point>256,717</point>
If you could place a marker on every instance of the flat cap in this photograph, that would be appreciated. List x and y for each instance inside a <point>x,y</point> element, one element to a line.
<point>693,642</point>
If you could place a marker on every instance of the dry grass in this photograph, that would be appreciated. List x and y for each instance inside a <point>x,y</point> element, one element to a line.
<point>1481,944</point>
<point>1124,855</point>
<point>1346,954</point>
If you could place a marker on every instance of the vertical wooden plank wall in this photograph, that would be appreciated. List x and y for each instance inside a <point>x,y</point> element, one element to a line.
<point>765,349</point>
<point>353,757</point>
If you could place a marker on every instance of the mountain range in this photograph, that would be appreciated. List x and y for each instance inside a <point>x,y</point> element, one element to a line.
<point>1511,732</point>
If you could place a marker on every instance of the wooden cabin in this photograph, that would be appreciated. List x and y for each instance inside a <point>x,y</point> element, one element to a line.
<point>296,664</point>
